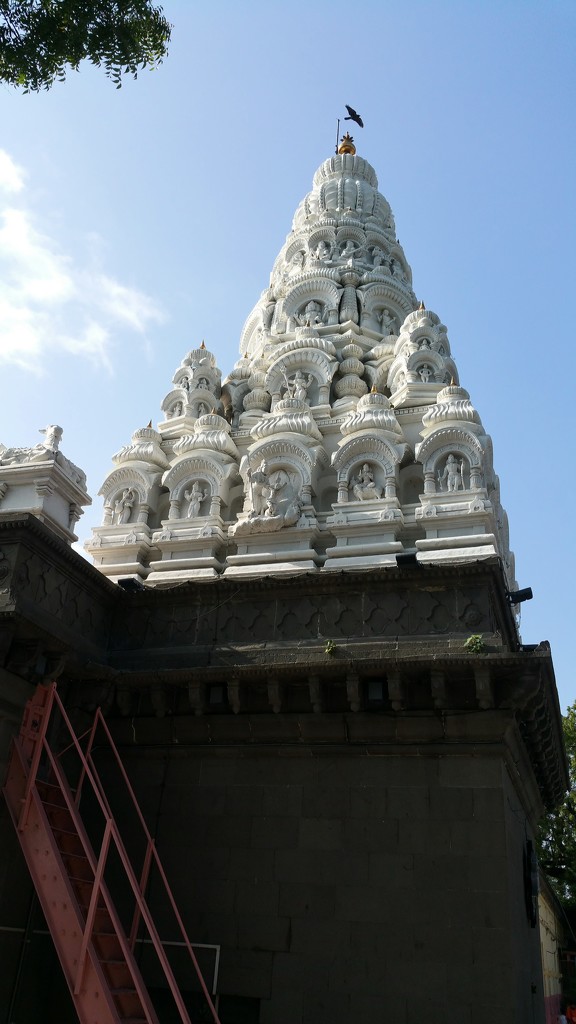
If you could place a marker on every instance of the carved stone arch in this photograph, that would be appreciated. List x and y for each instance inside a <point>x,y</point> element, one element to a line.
<point>318,289</point>
<point>179,476</point>
<point>350,232</point>
<point>358,450</point>
<point>378,296</point>
<point>436,448</point>
<point>320,365</point>
<point>375,235</point>
<point>425,357</point>
<point>288,455</point>
<point>294,246</point>
<point>126,476</point>
<point>180,395</point>
<point>251,325</point>
<point>325,233</point>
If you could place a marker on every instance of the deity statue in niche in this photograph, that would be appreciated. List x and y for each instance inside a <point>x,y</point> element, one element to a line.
<point>123,506</point>
<point>298,260</point>
<point>194,497</point>
<point>387,322</point>
<point>453,474</point>
<point>378,256</point>
<point>176,409</point>
<point>424,343</point>
<point>349,250</point>
<point>184,382</point>
<point>364,487</point>
<point>204,383</point>
<point>311,316</point>
<point>202,409</point>
<point>266,489</point>
<point>323,251</point>
<point>298,386</point>
<point>425,373</point>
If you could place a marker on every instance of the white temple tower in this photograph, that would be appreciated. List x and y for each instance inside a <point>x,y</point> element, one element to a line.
<point>340,438</point>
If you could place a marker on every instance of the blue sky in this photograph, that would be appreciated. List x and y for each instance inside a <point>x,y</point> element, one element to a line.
<point>135,223</point>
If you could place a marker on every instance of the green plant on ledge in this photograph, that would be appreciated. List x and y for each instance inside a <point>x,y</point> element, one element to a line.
<point>329,647</point>
<point>475,644</point>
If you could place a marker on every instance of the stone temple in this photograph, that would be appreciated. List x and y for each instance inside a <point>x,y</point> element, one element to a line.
<point>302,629</point>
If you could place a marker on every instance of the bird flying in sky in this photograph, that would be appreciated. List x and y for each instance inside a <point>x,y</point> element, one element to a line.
<point>353,116</point>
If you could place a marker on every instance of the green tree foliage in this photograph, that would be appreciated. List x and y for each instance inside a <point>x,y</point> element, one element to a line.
<point>557,838</point>
<point>41,39</point>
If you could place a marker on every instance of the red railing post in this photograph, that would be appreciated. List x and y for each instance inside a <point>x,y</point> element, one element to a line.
<point>143,883</point>
<point>35,736</point>
<point>98,876</point>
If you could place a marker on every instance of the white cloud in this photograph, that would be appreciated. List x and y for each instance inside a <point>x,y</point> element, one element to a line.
<point>50,303</point>
<point>11,176</point>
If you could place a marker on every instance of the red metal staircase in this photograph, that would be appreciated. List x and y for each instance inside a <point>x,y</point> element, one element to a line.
<point>77,864</point>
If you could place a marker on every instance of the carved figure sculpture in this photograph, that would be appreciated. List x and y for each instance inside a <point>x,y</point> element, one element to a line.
<point>298,386</point>
<point>323,251</point>
<point>259,488</point>
<point>364,487</point>
<point>202,409</point>
<point>425,373</point>
<point>378,256</point>
<point>349,250</point>
<point>123,506</point>
<point>387,322</point>
<point>195,497</point>
<point>204,383</point>
<point>453,474</point>
<point>184,382</point>
<point>311,316</point>
<point>176,409</point>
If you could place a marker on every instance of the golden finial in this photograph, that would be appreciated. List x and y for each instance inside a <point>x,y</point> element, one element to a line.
<point>347,144</point>
<point>452,382</point>
<point>245,355</point>
<point>149,427</point>
<point>421,307</point>
<point>374,390</point>
<point>202,345</point>
<point>214,411</point>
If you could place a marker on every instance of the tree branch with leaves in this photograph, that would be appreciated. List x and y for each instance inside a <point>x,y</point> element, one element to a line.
<point>40,40</point>
<point>557,833</point>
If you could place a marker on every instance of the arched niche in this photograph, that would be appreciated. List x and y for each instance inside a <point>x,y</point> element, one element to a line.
<point>378,296</point>
<point>435,450</point>
<point>318,364</point>
<point>381,456</point>
<point>292,457</point>
<point>323,290</point>
<point>126,478</point>
<point>207,472</point>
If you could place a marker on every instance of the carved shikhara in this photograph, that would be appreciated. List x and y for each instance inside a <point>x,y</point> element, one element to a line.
<point>340,437</point>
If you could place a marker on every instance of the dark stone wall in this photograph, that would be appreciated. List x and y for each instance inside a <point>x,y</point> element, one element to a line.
<point>344,886</point>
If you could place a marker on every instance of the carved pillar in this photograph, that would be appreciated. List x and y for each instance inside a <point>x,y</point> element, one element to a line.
<point>215,504</point>
<point>108,514</point>
<point>174,512</point>
<point>3,489</point>
<point>429,483</point>
<point>484,689</point>
<point>342,491</point>
<point>143,513</point>
<point>324,394</point>
<point>475,478</point>
<point>349,302</point>
<point>390,487</point>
